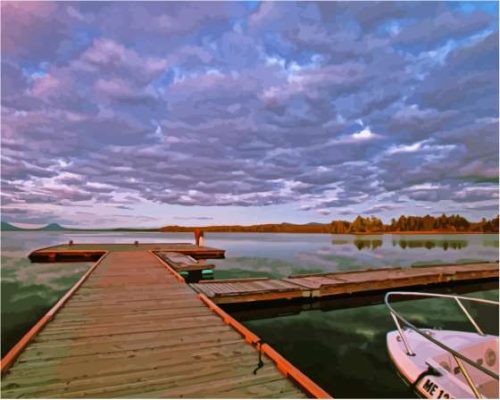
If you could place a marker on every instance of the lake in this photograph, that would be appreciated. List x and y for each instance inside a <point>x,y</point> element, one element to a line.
<point>343,350</point>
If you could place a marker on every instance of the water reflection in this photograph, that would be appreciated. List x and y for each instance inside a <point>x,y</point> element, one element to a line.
<point>403,243</point>
<point>344,350</point>
<point>491,242</point>
<point>340,241</point>
<point>430,244</point>
<point>370,244</point>
<point>341,348</point>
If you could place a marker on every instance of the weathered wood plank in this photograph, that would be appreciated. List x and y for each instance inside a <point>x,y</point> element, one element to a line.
<point>124,350</point>
<point>78,366</point>
<point>111,378</point>
<point>113,343</point>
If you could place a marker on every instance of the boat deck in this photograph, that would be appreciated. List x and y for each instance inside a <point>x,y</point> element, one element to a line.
<point>133,330</point>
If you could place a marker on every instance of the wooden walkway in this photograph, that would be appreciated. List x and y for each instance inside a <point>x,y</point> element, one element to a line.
<point>315,286</point>
<point>133,330</point>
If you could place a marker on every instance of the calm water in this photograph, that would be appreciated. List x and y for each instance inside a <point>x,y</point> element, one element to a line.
<point>343,350</point>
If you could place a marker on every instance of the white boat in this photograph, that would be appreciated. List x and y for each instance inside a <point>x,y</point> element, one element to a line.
<point>445,364</point>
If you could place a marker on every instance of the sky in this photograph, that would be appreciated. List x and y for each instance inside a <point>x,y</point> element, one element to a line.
<point>150,114</point>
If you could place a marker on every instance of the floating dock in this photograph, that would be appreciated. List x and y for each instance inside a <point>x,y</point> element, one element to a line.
<point>318,286</point>
<point>131,327</point>
<point>265,310</point>
<point>93,251</point>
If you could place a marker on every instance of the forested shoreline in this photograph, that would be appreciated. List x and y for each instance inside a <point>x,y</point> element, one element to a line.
<point>428,224</point>
<point>362,225</point>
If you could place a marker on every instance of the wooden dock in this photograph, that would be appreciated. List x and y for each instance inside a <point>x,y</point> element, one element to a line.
<point>265,310</point>
<point>132,328</point>
<point>317,286</point>
<point>93,251</point>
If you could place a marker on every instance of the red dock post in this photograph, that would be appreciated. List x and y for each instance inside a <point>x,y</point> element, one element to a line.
<point>199,237</point>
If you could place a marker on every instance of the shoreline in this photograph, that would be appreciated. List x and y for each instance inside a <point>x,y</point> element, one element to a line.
<point>420,233</point>
<point>406,233</point>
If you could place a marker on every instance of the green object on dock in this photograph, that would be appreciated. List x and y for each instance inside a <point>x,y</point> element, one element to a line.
<point>207,272</point>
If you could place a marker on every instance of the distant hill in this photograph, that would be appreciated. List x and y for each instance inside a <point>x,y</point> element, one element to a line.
<point>361,225</point>
<point>52,227</point>
<point>8,227</point>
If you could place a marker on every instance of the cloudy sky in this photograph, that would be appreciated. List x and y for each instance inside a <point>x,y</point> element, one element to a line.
<point>144,114</point>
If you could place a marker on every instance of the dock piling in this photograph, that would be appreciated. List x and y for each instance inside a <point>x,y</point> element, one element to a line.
<point>199,237</point>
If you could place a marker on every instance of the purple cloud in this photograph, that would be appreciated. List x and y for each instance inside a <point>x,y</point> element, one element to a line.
<point>312,106</point>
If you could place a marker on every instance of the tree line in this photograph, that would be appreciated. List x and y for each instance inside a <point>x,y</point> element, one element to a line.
<point>428,223</point>
<point>443,223</point>
<point>272,228</point>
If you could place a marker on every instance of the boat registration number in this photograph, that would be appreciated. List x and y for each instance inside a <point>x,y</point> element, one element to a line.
<point>431,390</point>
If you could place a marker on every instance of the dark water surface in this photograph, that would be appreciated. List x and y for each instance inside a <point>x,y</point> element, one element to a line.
<point>343,350</point>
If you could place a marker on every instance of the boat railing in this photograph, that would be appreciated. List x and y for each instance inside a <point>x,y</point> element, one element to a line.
<point>459,357</point>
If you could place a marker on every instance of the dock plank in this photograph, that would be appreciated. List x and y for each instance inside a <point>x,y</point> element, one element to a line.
<point>114,381</point>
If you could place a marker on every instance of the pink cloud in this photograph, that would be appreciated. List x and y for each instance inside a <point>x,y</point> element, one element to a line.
<point>46,86</point>
<point>26,31</point>
<point>106,55</point>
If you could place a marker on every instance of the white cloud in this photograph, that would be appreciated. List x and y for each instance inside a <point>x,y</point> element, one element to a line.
<point>411,148</point>
<point>425,186</point>
<point>364,134</point>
